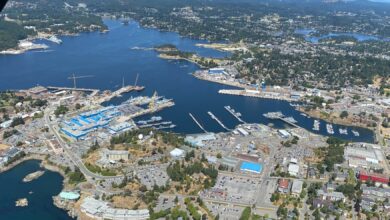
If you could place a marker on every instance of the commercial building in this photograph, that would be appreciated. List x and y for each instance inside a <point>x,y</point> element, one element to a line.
<point>296,188</point>
<point>284,133</point>
<point>115,155</point>
<point>293,169</point>
<point>330,196</point>
<point>374,177</point>
<point>69,196</point>
<point>284,186</point>
<point>251,167</point>
<point>177,153</point>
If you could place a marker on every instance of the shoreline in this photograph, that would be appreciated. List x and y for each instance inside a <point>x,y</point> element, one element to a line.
<point>334,120</point>
<point>50,167</point>
<point>168,57</point>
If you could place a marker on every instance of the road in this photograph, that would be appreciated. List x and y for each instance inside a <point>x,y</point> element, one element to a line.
<point>67,150</point>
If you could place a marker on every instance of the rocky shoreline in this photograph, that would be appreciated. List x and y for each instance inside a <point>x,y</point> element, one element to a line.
<point>68,206</point>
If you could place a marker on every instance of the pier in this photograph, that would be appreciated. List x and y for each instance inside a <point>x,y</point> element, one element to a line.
<point>231,111</point>
<point>280,116</point>
<point>219,122</point>
<point>256,94</point>
<point>121,91</point>
<point>194,119</point>
<point>72,89</point>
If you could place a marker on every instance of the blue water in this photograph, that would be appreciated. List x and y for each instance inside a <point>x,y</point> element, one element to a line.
<point>315,39</point>
<point>40,202</point>
<point>109,57</point>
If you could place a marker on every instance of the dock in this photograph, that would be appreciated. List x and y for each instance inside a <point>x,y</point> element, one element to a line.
<point>72,89</point>
<point>231,111</point>
<point>256,94</point>
<point>196,121</point>
<point>280,116</point>
<point>217,120</point>
<point>121,91</point>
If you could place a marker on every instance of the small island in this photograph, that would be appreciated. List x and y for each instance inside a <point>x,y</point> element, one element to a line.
<point>21,202</point>
<point>32,176</point>
<point>170,51</point>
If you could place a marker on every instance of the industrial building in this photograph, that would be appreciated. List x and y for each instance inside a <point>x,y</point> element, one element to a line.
<point>81,125</point>
<point>363,155</point>
<point>217,70</point>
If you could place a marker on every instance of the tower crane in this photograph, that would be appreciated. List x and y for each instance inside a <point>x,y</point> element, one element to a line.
<point>74,77</point>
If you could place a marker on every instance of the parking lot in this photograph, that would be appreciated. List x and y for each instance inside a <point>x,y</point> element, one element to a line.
<point>233,189</point>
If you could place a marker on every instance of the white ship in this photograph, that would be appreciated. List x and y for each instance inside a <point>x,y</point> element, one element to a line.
<point>329,129</point>
<point>316,125</point>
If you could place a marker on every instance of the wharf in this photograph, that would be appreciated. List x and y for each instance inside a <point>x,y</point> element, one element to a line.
<point>72,89</point>
<point>158,107</point>
<point>196,121</point>
<point>217,120</point>
<point>231,111</point>
<point>280,116</point>
<point>121,91</point>
<point>255,93</point>
<point>206,77</point>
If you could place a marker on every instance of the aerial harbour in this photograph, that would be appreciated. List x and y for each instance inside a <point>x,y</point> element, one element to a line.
<point>149,110</point>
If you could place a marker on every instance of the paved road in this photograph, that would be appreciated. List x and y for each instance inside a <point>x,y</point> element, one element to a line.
<point>74,158</point>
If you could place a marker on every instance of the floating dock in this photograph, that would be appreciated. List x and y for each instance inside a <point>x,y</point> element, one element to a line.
<point>235,114</point>
<point>194,119</point>
<point>217,120</point>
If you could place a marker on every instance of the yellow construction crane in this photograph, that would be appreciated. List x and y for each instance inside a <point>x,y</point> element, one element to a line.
<point>74,77</point>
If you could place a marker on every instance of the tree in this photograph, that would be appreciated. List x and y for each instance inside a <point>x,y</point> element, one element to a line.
<point>246,214</point>
<point>17,121</point>
<point>344,114</point>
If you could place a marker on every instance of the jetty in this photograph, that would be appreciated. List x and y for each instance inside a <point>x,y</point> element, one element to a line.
<point>235,114</point>
<point>196,121</point>
<point>217,120</point>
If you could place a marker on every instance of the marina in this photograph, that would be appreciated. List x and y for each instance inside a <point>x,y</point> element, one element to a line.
<point>217,120</point>
<point>237,115</point>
